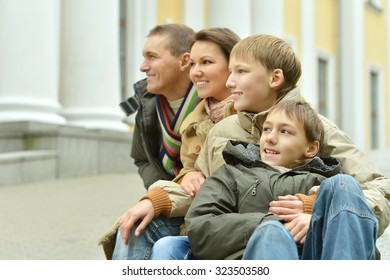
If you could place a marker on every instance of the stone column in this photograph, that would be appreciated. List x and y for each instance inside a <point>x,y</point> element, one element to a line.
<point>351,69</point>
<point>29,56</point>
<point>267,17</point>
<point>231,13</point>
<point>194,14</point>
<point>90,80</point>
<point>308,56</point>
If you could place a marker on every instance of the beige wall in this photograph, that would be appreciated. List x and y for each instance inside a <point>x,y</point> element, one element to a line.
<point>326,39</point>
<point>169,11</point>
<point>292,21</point>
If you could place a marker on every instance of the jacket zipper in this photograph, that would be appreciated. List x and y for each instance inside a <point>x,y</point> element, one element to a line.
<point>252,189</point>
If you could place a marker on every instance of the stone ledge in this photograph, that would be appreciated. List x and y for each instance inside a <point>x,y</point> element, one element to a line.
<point>27,166</point>
<point>72,151</point>
<point>26,156</point>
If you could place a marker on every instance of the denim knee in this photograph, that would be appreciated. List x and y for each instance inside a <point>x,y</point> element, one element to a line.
<point>342,193</point>
<point>271,241</point>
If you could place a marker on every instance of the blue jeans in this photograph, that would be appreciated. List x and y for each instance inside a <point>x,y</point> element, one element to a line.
<point>172,248</point>
<point>342,227</point>
<point>140,248</point>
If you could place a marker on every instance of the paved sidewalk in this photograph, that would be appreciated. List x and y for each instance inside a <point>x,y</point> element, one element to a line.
<point>63,219</point>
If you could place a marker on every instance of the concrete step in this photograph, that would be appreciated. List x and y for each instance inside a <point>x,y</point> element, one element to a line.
<point>27,166</point>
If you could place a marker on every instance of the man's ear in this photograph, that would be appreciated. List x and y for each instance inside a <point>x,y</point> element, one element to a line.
<point>185,61</point>
<point>313,149</point>
<point>277,78</point>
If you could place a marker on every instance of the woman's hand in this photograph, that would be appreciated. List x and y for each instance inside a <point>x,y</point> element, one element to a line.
<point>192,182</point>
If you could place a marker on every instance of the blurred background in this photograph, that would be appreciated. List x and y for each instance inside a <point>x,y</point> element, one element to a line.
<point>65,65</point>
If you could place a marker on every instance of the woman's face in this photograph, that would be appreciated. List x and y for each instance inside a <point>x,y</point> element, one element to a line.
<point>209,70</point>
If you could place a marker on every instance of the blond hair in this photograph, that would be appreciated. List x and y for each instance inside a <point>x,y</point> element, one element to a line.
<point>272,53</point>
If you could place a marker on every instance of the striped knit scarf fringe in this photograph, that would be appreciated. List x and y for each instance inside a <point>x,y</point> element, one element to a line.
<point>170,124</point>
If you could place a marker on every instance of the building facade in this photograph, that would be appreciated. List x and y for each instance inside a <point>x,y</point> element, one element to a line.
<point>66,64</point>
<point>342,45</point>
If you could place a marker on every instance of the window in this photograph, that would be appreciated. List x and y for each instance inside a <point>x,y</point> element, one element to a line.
<point>325,76</point>
<point>122,47</point>
<point>374,109</point>
<point>323,90</point>
<point>375,5</point>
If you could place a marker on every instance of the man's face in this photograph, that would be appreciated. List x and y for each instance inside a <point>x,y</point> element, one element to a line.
<point>283,141</point>
<point>160,66</point>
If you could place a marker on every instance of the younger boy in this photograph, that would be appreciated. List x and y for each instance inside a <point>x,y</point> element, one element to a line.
<point>234,201</point>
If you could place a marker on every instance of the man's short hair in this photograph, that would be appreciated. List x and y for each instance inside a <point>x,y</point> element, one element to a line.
<point>181,36</point>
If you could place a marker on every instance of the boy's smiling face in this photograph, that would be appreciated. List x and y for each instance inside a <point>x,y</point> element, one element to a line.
<point>283,141</point>
<point>252,82</point>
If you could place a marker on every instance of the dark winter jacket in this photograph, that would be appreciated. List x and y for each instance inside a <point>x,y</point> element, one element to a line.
<point>235,199</point>
<point>147,138</point>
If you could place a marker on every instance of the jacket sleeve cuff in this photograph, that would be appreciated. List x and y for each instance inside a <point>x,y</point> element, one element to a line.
<point>160,200</point>
<point>308,201</point>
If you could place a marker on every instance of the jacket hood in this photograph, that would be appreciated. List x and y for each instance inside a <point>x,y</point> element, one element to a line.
<point>248,154</point>
<point>140,87</point>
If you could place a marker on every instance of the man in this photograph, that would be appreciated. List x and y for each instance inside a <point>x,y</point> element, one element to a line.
<point>165,99</point>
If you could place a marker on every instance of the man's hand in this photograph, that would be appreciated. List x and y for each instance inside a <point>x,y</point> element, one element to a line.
<point>298,225</point>
<point>144,211</point>
<point>192,182</point>
<point>286,205</point>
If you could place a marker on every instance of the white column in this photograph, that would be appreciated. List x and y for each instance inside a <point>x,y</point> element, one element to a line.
<point>267,17</point>
<point>140,18</point>
<point>194,15</point>
<point>90,80</point>
<point>29,56</point>
<point>308,54</point>
<point>233,14</point>
<point>387,86</point>
<point>352,69</point>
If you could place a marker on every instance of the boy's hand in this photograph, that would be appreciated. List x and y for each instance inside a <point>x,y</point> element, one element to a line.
<point>286,205</point>
<point>298,225</point>
<point>144,211</point>
<point>192,182</point>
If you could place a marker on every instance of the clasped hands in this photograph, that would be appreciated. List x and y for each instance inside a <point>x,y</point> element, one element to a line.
<point>290,209</point>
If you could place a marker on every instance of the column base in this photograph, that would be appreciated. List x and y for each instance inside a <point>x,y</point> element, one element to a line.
<point>94,118</point>
<point>19,109</point>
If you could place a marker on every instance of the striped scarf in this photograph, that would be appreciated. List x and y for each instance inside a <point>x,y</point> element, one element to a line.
<point>170,124</point>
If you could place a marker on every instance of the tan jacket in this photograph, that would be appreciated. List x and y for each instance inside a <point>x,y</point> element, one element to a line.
<point>247,127</point>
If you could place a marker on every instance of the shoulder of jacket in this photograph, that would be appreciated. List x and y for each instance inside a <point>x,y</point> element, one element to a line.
<point>195,116</point>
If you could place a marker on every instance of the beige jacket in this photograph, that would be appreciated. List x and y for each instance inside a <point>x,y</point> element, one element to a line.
<point>247,127</point>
